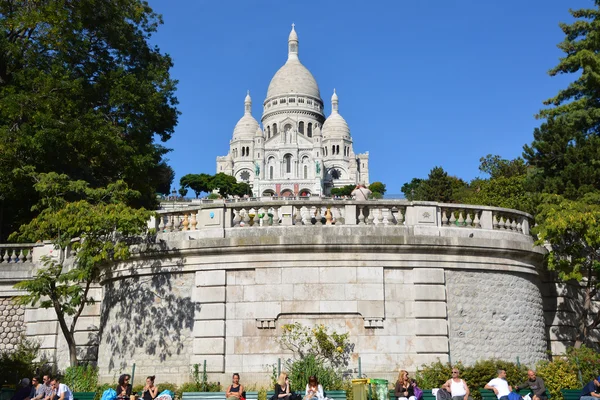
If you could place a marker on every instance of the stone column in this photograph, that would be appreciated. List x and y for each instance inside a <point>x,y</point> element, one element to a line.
<point>209,320</point>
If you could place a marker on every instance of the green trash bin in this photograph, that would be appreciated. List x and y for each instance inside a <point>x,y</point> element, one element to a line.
<point>380,389</point>
<point>359,389</point>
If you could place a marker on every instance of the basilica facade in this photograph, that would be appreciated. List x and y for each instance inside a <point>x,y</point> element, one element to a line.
<point>298,151</point>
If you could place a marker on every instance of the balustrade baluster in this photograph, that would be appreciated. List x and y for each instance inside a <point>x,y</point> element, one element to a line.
<point>169,226</point>
<point>275,221</point>
<point>496,221</point>
<point>161,223</point>
<point>461,219</point>
<point>246,217</point>
<point>380,216</point>
<point>468,221</point>
<point>21,256</point>
<point>476,221</point>
<point>444,217</point>
<point>3,256</point>
<point>236,218</point>
<point>194,222</point>
<point>519,227</point>
<point>186,221</point>
<point>385,216</point>
<point>299,219</point>
<point>328,216</point>
<point>318,216</point>
<point>361,216</point>
<point>259,220</point>
<point>11,259</point>
<point>370,217</point>
<point>400,216</point>
<point>178,223</point>
<point>513,225</point>
<point>452,220</point>
<point>502,222</point>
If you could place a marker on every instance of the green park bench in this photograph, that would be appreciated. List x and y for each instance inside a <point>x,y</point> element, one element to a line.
<point>570,394</point>
<point>332,394</point>
<point>213,396</point>
<point>84,395</point>
<point>427,395</point>
<point>490,395</point>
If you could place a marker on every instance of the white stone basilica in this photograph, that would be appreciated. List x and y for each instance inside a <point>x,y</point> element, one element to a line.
<point>298,151</point>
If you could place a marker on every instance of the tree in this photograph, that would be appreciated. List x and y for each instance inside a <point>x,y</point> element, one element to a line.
<point>182,191</point>
<point>343,191</point>
<point>377,187</point>
<point>241,189</point>
<point>497,167</point>
<point>412,189</point>
<point>197,182</point>
<point>565,151</point>
<point>223,183</point>
<point>78,79</point>
<point>437,186</point>
<point>96,225</point>
<point>572,230</point>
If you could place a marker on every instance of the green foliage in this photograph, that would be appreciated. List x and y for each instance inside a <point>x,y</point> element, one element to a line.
<point>571,229</point>
<point>497,167</point>
<point>332,349</point>
<point>169,386</point>
<point>558,374</point>
<point>20,362</point>
<point>223,183</point>
<point>197,182</point>
<point>101,388</point>
<point>97,227</point>
<point>476,376</point>
<point>241,189</point>
<point>566,147</point>
<point>81,378</point>
<point>438,186</point>
<point>182,191</point>
<point>262,393</point>
<point>213,196</point>
<point>584,360</point>
<point>343,191</point>
<point>201,382</point>
<point>376,195</point>
<point>377,187</point>
<point>300,370</point>
<point>503,192</point>
<point>83,93</point>
<point>412,189</point>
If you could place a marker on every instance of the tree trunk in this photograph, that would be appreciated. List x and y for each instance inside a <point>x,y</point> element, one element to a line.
<point>69,336</point>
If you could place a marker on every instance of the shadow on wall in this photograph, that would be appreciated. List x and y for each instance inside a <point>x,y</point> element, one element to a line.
<point>563,306</point>
<point>150,314</point>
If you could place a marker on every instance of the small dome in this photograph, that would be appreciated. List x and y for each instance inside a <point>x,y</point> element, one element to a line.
<point>259,132</point>
<point>245,128</point>
<point>336,127</point>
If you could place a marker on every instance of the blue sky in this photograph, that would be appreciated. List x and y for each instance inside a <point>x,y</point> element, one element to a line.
<point>421,83</point>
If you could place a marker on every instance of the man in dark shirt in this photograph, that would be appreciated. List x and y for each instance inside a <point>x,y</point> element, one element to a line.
<point>535,384</point>
<point>591,391</point>
<point>23,391</point>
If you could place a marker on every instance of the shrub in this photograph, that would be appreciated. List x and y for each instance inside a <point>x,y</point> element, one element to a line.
<point>19,363</point>
<point>189,387</point>
<point>213,196</point>
<point>434,375</point>
<point>262,394</point>
<point>300,370</point>
<point>586,361</point>
<point>169,386</point>
<point>137,388</point>
<point>83,378</point>
<point>101,388</point>
<point>557,374</point>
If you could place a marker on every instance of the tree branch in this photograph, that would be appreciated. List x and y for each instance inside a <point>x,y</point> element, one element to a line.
<point>81,306</point>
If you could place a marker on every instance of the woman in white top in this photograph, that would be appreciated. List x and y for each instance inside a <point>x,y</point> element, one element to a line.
<point>314,391</point>
<point>456,386</point>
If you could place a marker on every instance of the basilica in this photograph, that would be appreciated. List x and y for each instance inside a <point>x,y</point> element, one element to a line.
<point>298,151</point>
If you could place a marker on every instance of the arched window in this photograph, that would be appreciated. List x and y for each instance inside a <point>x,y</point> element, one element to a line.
<point>337,149</point>
<point>271,172</point>
<point>248,150</point>
<point>306,172</point>
<point>309,130</point>
<point>332,149</point>
<point>243,151</point>
<point>274,129</point>
<point>301,127</point>
<point>268,132</point>
<point>288,163</point>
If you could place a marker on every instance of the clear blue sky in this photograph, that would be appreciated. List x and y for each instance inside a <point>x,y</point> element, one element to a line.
<point>421,83</point>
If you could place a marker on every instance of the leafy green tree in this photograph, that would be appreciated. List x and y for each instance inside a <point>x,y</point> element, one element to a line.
<point>497,167</point>
<point>572,230</point>
<point>377,187</point>
<point>84,94</point>
<point>95,225</point>
<point>343,191</point>
<point>565,151</point>
<point>197,182</point>
<point>223,183</point>
<point>437,186</point>
<point>412,189</point>
<point>182,191</point>
<point>241,189</point>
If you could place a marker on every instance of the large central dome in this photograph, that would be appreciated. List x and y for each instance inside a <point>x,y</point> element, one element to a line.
<point>293,77</point>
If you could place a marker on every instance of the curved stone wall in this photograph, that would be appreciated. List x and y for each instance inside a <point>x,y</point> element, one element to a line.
<point>495,314</point>
<point>11,324</point>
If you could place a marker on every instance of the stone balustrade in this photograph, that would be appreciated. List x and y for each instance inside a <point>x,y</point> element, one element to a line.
<point>16,253</point>
<point>312,211</point>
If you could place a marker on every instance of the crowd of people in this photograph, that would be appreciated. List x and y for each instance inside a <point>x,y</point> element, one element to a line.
<point>405,388</point>
<point>52,389</point>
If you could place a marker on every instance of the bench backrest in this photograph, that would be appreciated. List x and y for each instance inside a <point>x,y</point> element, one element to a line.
<point>251,395</point>
<point>203,396</point>
<point>571,394</point>
<point>84,395</point>
<point>336,394</point>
